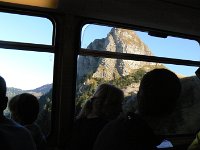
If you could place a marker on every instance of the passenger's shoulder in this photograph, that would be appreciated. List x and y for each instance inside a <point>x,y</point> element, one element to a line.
<point>14,127</point>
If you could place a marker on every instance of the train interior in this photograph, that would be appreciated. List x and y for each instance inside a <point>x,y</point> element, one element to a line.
<point>61,50</point>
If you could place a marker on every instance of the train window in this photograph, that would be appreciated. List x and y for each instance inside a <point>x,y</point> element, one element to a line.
<point>26,29</point>
<point>96,66</point>
<point>26,62</point>
<point>137,42</point>
<point>29,72</point>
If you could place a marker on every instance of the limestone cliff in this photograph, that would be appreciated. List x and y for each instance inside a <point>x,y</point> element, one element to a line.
<point>117,40</point>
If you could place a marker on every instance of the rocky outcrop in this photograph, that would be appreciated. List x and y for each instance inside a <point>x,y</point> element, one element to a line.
<point>188,105</point>
<point>117,40</point>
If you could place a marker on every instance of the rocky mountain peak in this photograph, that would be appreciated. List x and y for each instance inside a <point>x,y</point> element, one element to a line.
<point>129,42</point>
<point>127,36</point>
<point>117,40</point>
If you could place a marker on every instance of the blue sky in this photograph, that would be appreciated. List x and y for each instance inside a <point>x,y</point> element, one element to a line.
<point>29,70</point>
<point>26,69</point>
<point>28,29</point>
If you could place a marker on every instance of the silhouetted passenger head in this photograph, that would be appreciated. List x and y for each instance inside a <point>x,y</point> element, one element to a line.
<point>24,108</point>
<point>3,98</point>
<point>106,102</point>
<point>158,92</point>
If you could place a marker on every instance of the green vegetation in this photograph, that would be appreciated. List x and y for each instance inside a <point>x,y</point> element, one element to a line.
<point>44,116</point>
<point>125,81</point>
<point>88,85</point>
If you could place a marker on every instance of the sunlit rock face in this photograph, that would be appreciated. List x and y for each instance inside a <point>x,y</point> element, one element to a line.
<point>117,40</point>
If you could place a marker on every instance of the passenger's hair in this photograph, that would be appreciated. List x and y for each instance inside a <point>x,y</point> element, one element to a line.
<point>24,108</point>
<point>158,92</point>
<point>106,102</point>
<point>2,87</point>
<point>3,98</point>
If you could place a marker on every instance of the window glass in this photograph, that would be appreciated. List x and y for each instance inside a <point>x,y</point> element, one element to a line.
<point>96,37</point>
<point>26,29</point>
<point>92,71</point>
<point>127,74</point>
<point>29,72</point>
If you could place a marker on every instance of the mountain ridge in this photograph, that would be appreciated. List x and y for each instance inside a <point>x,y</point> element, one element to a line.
<point>39,91</point>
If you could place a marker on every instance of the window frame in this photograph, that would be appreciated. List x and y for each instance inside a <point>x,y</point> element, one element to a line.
<point>10,45</point>
<point>180,140</point>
